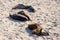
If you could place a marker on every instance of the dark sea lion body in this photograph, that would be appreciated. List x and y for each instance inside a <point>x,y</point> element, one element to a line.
<point>35,28</point>
<point>30,9</point>
<point>21,16</point>
<point>24,14</point>
<point>21,6</point>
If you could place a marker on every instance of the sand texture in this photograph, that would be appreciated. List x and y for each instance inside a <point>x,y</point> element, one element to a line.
<point>47,14</point>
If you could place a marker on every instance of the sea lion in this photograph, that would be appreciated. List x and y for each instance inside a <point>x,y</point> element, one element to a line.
<point>21,16</point>
<point>21,6</point>
<point>36,28</point>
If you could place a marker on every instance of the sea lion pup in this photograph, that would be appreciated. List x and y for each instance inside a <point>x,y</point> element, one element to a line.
<point>24,14</point>
<point>21,16</point>
<point>21,6</point>
<point>37,29</point>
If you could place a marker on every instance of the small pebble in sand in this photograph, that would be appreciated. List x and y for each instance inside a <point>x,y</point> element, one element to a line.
<point>1,22</point>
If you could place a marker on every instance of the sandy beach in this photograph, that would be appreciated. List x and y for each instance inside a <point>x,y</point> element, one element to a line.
<point>47,14</point>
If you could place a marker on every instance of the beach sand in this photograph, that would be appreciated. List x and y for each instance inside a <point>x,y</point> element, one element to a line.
<point>47,14</point>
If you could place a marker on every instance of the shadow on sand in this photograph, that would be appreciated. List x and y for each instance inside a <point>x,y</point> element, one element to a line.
<point>40,34</point>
